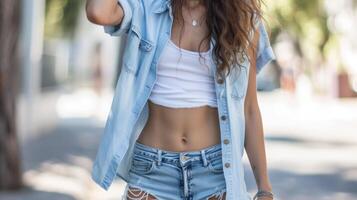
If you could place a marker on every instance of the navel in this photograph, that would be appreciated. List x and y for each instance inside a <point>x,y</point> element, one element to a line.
<point>184,139</point>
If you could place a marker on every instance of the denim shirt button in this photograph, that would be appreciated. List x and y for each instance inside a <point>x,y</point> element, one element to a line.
<point>219,81</point>
<point>226,141</point>
<point>223,117</point>
<point>227,165</point>
<point>148,47</point>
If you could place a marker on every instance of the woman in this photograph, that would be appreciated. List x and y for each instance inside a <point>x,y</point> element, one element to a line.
<point>185,105</point>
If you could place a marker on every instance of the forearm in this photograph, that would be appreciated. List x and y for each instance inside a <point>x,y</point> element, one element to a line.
<point>104,12</point>
<point>255,147</point>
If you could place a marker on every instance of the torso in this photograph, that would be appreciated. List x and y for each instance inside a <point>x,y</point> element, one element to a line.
<point>183,129</point>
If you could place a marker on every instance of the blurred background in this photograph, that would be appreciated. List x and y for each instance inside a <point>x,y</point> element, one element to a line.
<point>58,73</point>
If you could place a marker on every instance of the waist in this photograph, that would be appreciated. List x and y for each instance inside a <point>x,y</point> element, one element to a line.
<point>175,157</point>
<point>182,118</point>
<point>181,129</point>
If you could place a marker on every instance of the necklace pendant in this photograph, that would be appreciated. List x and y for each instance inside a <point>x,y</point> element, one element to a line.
<point>194,22</point>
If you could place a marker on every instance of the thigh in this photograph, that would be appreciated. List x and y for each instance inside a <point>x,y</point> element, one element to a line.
<point>148,180</point>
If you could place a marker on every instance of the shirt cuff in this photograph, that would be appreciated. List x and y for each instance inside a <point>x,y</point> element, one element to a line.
<point>265,58</point>
<point>265,53</point>
<point>119,29</point>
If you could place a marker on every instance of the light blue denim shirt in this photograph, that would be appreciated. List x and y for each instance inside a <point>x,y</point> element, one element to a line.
<point>147,24</point>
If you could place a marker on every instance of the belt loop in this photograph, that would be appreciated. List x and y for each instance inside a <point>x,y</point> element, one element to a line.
<point>203,154</point>
<point>159,152</point>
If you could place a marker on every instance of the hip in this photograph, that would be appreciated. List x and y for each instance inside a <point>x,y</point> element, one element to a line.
<point>177,175</point>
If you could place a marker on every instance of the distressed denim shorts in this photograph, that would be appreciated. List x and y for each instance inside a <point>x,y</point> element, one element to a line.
<point>169,175</point>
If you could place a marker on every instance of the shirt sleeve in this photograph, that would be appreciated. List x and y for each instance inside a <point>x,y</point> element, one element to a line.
<point>265,52</point>
<point>123,27</point>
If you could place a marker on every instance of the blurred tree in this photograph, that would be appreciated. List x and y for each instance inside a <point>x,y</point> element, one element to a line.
<point>306,22</point>
<point>10,175</point>
<point>61,17</point>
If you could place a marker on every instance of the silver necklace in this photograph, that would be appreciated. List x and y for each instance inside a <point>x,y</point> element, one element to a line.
<point>195,22</point>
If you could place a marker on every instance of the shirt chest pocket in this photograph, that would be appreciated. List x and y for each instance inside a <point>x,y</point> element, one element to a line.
<point>136,50</point>
<point>239,82</point>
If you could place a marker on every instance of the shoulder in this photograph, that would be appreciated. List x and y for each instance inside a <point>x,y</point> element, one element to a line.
<point>138,15</point>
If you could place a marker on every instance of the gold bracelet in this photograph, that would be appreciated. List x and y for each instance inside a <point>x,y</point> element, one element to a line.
<point>263,193</point>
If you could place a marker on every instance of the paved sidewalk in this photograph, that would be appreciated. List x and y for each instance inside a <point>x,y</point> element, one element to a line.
<point>311,146</point>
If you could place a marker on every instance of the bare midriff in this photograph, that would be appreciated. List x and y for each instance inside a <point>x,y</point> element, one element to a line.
<point>181,129</point>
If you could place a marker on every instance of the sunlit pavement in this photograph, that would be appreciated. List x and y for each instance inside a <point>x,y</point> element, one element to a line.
<point>310,143</point>
<point>57,163</point>
<point>311,146</point>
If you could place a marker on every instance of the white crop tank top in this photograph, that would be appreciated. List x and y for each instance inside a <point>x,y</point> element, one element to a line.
<point>184,79</point>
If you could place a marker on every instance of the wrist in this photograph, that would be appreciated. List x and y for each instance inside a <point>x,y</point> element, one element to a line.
<point>265,191</point>
<point>265,186</point>
<point>263,194</point>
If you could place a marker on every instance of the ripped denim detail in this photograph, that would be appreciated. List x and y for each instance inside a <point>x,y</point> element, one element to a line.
<point>220,195</point>
<point>136,193</point>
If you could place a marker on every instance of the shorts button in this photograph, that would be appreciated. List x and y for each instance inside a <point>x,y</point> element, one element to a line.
<point>226,141</point>
<point>227,165</point>
<point>184,157</point>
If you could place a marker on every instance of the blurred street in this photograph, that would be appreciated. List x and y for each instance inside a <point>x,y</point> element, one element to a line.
<point>311,145</point>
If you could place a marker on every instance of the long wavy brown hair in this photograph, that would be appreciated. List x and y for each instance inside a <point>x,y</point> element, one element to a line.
<point>230,23</point>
